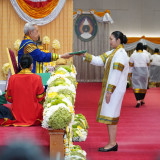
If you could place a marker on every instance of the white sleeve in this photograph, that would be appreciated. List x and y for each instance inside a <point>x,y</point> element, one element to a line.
<point>96,60</point>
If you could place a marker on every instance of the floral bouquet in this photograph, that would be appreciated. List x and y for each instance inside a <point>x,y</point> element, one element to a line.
<point>79,128</point>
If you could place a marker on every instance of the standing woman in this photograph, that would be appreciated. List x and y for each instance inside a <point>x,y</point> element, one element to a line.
<point>114,84</point>
<point>139,63</point>
<point>155,68</point>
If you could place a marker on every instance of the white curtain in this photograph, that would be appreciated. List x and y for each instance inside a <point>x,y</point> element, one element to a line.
<point>100,44</point>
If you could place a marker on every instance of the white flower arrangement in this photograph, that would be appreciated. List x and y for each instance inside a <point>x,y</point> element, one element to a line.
<point>49,111</point>
<point>17,44</point>
<point>59,109</point>
<point>79,134</point>
<point>80,127</point>
<point>56,44</point>
<point>76,153</point>
<point>46,40</point>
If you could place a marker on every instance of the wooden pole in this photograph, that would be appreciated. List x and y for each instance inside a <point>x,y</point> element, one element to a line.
<point>57,143</point>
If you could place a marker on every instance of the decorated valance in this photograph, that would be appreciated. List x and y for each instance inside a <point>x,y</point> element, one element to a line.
<point>39,11</point>
<point>151,39</point>
<point>152,42</point>
<point>99,16</point>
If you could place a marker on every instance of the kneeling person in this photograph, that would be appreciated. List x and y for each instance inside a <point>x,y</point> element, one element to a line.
<point>26,93</point>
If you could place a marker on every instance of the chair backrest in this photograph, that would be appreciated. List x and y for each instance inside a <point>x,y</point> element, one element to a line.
<point>12,61</point>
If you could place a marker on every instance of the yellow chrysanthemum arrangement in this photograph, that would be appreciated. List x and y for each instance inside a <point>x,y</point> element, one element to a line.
<point>46,40</point>
<point>56,44</point>
<point>17,44</point>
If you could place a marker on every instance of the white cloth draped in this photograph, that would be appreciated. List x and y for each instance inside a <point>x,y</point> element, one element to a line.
<point>105,18</point>
<point>40,21</point>
<point>131,46</point>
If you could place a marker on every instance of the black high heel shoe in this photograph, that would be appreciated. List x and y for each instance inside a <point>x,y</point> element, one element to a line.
<point>138,105</point>
<point>142,103</point>
<point>114,148</point>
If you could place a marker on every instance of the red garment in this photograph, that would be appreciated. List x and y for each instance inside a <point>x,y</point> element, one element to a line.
<point>25,91</point>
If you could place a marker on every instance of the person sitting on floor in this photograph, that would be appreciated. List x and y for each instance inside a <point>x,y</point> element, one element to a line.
<point>26,93</point>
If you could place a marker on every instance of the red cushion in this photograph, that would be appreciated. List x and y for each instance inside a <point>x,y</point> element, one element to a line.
<point>14,62</point>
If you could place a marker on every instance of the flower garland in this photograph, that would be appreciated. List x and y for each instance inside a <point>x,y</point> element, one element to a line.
<point>59,109</point>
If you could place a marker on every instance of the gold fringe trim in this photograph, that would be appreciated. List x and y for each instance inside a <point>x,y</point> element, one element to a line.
<point>137,90</point>
<point>129,74</point>
<point>118,66</point>
<point>88,57</point>
<point>40,12</point>
<point>131,64</point>
<point>108,120</point>
<point>111,88</point>
<point>41,95</point>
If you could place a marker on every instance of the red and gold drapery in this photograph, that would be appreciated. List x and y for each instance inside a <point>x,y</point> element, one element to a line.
<point>38,11</point>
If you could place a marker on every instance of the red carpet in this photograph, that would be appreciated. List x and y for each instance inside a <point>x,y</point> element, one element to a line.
<point>138,129</point>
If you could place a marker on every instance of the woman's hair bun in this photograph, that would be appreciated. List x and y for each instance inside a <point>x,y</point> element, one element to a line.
<point>125,39</point>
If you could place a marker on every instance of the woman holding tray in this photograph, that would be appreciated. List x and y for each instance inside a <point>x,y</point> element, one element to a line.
<point>114,84</point>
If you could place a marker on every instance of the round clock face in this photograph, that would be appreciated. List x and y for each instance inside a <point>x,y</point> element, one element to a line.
<point>86,27</point>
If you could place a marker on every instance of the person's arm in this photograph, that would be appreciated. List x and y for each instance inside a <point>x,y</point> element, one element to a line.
<point>41,56</point>
<point>131,65</point>
<point>95,60</point>
<point>148,61</point>
<point>118,66</point>
<point>40,91</point>
<point>8,94</point>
